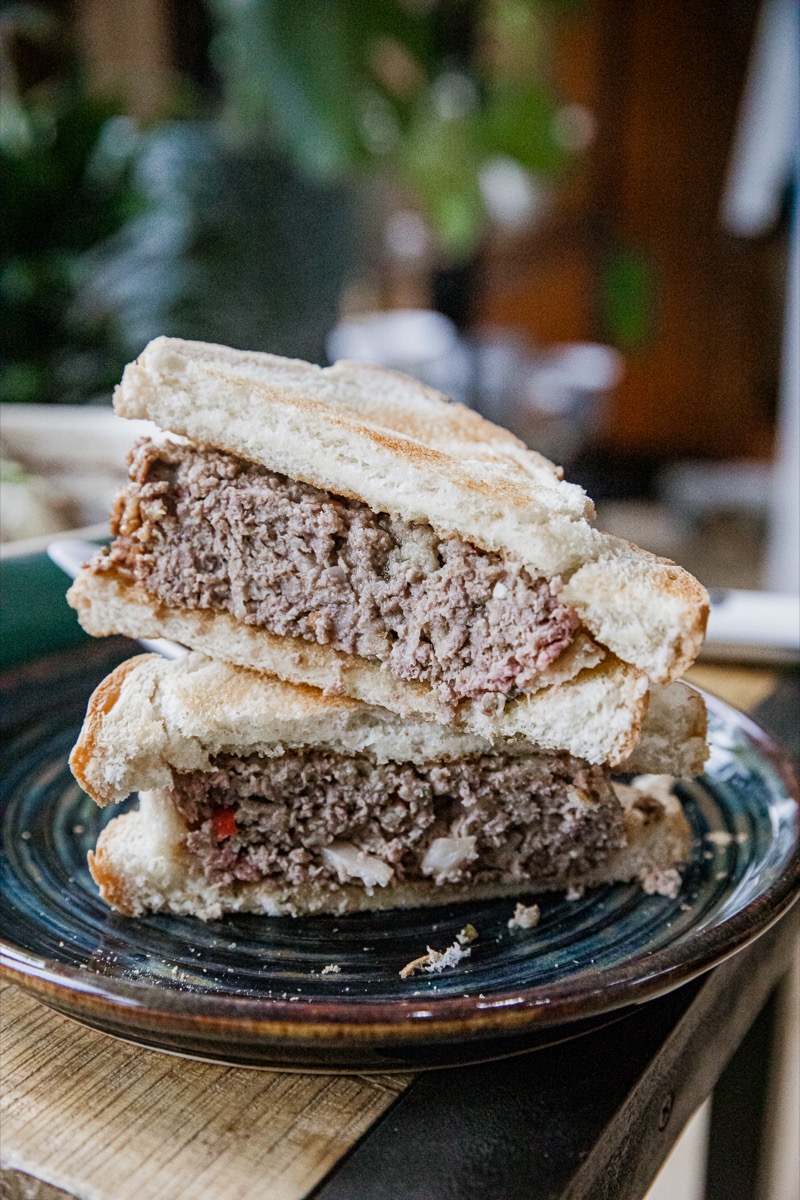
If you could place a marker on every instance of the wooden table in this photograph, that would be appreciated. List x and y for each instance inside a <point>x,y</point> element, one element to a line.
<point>85,1116</point>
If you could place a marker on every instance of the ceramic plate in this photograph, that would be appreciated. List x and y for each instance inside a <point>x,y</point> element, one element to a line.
<point>254,991</point>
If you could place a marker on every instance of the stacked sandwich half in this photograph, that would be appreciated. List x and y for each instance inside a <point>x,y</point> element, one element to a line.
<point>414,661</point>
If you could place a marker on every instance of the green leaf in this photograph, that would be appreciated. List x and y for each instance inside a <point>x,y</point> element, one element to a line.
<point>519,121</point>
<point>440,161</point>
<point>628,298</point>
<point>289,72</point>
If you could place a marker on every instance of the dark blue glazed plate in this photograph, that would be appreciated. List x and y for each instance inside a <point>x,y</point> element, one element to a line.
<point>252,991</point>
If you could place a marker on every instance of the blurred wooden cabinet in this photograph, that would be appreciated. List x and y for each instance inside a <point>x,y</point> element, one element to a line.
<point>664,82</point>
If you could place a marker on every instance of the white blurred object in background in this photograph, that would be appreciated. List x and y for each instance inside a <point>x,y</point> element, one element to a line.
<point>566,394</point>
<point>71,460</point>
<point>553,398</point>
<point>764,151</point>
<point>28,506</point>
<point>418,342</point>
<point>783,547</point>
<point>514,198</point>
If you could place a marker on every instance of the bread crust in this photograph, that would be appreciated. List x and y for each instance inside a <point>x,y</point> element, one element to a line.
<point>115,888</point>
<point>87,749</point>
<point>674,737</point>
<point>402,448</point>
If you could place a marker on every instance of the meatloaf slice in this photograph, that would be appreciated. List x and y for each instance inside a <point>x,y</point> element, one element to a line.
<point>201,529</point>
<point>314,814</point>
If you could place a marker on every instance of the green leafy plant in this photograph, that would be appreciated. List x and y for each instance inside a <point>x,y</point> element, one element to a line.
<point>352,86</point>
<point>67,165</point>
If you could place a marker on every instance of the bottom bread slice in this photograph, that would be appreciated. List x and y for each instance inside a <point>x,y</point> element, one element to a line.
<point>143,864</point>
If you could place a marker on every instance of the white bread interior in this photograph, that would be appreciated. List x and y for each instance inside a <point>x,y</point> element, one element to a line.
<point>151,716</point>
<point>401,448</point>
<point>141,865</point>
<point>674,737</point>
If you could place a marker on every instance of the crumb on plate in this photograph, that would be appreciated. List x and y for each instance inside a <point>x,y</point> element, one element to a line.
<point>434,961</point>
<point>721,837</point>
<point>658,882</point>
<point>526,916</point>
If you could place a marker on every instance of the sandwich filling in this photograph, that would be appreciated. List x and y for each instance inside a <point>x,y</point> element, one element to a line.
<point>315,815</point>
<point>201,529</point>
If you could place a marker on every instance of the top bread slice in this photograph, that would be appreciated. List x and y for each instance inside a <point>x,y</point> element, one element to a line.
<point>151,716</point>
<point>402,448</point>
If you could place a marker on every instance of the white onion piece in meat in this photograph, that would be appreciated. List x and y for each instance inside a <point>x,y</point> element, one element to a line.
<point>445,856</point>
<point>351,863</point>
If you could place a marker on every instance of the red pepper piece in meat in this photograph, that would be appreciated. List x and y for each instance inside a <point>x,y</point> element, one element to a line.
<point>224,823</point>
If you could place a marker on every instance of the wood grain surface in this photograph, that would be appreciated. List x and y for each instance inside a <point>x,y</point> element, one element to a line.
<point>743,687</point>
<point>104,1120</point>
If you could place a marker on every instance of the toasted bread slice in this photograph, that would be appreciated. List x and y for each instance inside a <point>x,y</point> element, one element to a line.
<point>593,709</point>
<point>151,716</point>
<point>401,448</point>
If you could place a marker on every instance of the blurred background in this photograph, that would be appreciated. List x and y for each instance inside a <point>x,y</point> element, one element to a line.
<point>573,215</point>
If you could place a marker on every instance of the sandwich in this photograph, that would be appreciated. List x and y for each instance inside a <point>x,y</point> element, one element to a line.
<point>256,795</point>
<point>414,662</point>
<point>350,529</point>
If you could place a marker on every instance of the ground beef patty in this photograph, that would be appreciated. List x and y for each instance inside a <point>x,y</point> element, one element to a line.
<point>198,528</point>
<point>478,818</point>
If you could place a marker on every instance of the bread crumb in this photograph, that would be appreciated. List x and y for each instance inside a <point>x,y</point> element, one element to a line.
<point>439,960</point>
<point>526,916</point>
<point>656,882</point>
<point>720,837</point>
<point>331,969</point>
<point>575,892</point>
<point>448,958</point>
<point>416,964</point>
